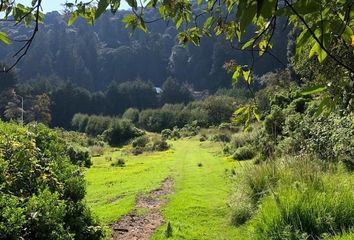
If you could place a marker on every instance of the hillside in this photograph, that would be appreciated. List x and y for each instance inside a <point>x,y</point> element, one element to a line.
<point>94,56</point>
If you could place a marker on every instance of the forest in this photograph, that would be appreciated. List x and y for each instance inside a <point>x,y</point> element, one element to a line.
<point>177,120</point>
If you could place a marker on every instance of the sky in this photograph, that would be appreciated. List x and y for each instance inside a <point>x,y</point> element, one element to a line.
<point>56,5</point>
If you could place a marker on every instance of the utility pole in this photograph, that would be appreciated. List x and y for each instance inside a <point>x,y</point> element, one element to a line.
<point>22,110</point>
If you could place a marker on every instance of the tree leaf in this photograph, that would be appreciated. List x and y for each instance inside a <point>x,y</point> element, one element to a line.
<point>313,89</point>
<point>236,75</point>
<point>133,4</point>
<point>5,38</point>
<point>101,7</point>
<point>247,76</point>
<point>72,18</point>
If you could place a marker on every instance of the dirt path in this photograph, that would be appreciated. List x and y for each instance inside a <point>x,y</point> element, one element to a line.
<point>141,227</point>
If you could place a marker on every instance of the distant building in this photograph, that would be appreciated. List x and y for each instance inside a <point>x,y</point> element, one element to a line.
<point>158,90</point>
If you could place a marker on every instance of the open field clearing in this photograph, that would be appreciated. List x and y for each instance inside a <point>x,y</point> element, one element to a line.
<point>202,183</point>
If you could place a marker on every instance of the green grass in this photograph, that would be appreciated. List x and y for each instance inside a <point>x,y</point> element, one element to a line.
<point>197,209</point>
<point>111,191</point>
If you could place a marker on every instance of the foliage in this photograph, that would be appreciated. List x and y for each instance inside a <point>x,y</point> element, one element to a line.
<point>92,125</point>
<point>169,230</point>
<point>118,163</point>
<point>132,114</point>
<point>242,209</point>
<point>149,144</point>
<point>304,211</point>
<point>79,156</point>
<point>173,92</point>
<point>246,152</point>
<point>140,141</point>
<point>120,132</point>
<point>166,134</point>
<point>41,192</point>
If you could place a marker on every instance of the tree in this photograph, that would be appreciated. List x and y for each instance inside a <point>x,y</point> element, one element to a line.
<point>319,22</point>
<point>174,92</point>
<point>40,110</point>
<point>13,109</point>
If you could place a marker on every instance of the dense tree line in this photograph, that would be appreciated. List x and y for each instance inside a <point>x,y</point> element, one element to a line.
<point>56,104</point>
<point>212,111</point>
<point>94,56</point>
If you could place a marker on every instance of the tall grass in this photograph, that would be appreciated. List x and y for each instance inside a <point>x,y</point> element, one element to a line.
<point>303,211</point>
<point>295,198</point>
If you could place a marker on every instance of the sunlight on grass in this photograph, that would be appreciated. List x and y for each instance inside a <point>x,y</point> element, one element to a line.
<point>197,208</point>
<point>111,191</point>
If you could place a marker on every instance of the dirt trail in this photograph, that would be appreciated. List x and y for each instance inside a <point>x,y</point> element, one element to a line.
<point>141,227</point>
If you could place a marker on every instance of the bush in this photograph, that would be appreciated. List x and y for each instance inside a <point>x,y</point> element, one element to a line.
<point>79,156</point>
<point>242,211</point>
<point>137,151</point>
<point>118,163</point>
<point>166,134</point>
<point>222,137</point>
<point>92,125</point>
<point>203,138</point>
<point>175,134</point>
<point>43,191</point>
<point>160,145</point>
<point>131,114</point>
<point>274,122</point>
<point>120,132</point>
<point>218,109</point>
<point>97,151</point>
<point>244,153</point>
<point>141,141</point>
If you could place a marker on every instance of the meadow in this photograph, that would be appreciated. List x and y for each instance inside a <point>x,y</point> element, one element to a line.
<point>196,209</point>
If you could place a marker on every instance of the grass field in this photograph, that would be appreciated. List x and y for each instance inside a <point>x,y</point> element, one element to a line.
<point>197,209</point>
<point>111,191</point>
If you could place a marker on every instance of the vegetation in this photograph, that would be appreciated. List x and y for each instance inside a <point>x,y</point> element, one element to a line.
<point>158,124</point>
<point>41,191</point>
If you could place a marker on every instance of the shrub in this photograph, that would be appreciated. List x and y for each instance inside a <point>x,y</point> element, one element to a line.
<point>160,145</point>
<point>97,151</point>
<point>140,141</point>
<point>244,153</point>
<point>243,138</point>
<point>218,109</point>
<point>166,134</point>
<point>79,156</point>
<point>228,127</point>
<point>274,122</point>
<point>118,163</point>
<point>131,114</point>
<point>203,138</point>
<point>43,194</point>
<point>120,132</point>
<point>242,211</point>
<point>175,134</point>
<point>222,137</point>
<point>137,150</point>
